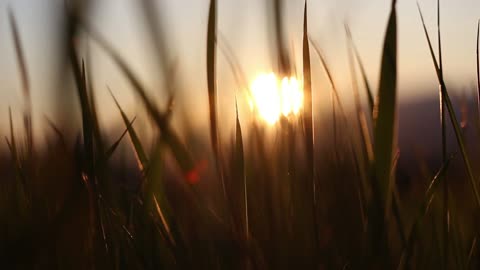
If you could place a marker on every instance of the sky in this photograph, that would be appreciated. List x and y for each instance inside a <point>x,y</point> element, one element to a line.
<point>244,25</point>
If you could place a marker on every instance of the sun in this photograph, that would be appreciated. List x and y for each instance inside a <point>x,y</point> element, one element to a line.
<point>270,98</point>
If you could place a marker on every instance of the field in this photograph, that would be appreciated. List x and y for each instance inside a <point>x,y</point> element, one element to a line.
<point>290,189</point>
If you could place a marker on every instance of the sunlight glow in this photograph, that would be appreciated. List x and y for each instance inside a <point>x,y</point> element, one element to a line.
<point>271,98</point>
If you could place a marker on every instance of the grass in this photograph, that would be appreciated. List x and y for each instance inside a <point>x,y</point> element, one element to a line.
<point>272,198</point>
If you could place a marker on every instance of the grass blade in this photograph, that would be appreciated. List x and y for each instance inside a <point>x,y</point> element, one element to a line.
<point>308,122</point>
<point>361,119</point>
<point>156,31</point>
<point>478,66</point>
<point>444,146</point>
<point>430,193</point>
<point>452,115</point>
<point>368,89</point>
<point>108,154</point>
<point>385,111</point>
<point>25,81</point>
<point>137,145</point>
<point>240,168</point>
<point>180,152</point>
<point>283,61</point>
<point>211,80</point>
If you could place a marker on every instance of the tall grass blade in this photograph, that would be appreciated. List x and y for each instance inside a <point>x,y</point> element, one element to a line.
<point>232,60</point>
<point>19,172</point>
<point>385,112</point>
<point>444,146</point>
<point>97,135</point>
<point>282,55</point>
<point>180,152</point>
<point>331,81</point>
<point>361,119</point>
<point>384,116</point>
<point>240,168</point>
<point>211,79</point>
<point>137,145</point>
<point>154,24</point>
<point>111,150</point>
<point>478,67</point>
<point>452,115</point>
<point>308,123</point>
<point>368,89</point>
<point>424,207</point>
<point>212,86</point>
<point>25,82</point>
<point>12,137</point>
<point>58,132</point>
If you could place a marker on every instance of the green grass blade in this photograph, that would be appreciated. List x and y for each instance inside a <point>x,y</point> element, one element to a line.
<point>452,115</point>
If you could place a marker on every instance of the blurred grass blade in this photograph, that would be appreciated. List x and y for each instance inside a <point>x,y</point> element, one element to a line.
<point>240,167</point>
<point>451,112</point>
<point>429,195</point>
<point>368,89</point>
<point>25,81</point>
<point>137,145</point>
<point>211,76</point>
<point>150,9</point>
<point>307,107</point>
<point>331,81</point>
<point>308,124</point>
<point>233,62</point>
<point>335,98</point>
<point>58,132</point>
<point>444,147</point>
<point>108,154</point>
<point>180,152</point>
<point>361,118</point>
<point>478,67</point>
<point>98,140</point>
<point>282,55</point>
<point>20,55</point>
<point>12,137</point>
<point>385,112</point>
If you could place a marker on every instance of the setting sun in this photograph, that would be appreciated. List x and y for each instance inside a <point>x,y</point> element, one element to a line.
<point>271,98</point>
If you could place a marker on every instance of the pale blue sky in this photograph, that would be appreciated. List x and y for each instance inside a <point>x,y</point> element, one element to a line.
<point>243,23</point>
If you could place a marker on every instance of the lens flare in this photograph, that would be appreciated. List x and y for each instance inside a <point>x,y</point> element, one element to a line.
<point>271,98</point>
